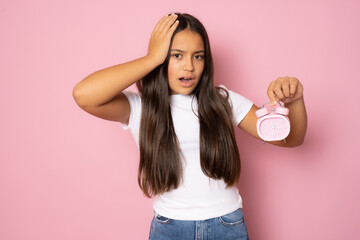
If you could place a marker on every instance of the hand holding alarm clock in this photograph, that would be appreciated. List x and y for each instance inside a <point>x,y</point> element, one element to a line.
<point>273,123</point>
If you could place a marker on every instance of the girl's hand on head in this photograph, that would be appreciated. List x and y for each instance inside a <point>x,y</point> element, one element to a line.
<point>160,38</point>
<point>285,89</point>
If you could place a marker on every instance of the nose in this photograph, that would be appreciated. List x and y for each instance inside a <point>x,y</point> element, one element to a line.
<point>188,65</point>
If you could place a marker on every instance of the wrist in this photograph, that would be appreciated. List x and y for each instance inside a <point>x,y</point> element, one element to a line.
<point>149,63</point>
<point>295,102</point>
<point>153,60</point>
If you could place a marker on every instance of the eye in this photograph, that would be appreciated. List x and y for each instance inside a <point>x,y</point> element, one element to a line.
<point>177,56</point>
<point>199,57</point>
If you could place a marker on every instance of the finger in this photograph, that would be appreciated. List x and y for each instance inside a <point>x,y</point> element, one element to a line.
<point>286,88</point>
<point>160,23</point>
<point>173,27</point>
<point>293,86</point>
<point>166,24</point>
<point>170,24</point>
<point>271,94</point>
<point>278,89</point>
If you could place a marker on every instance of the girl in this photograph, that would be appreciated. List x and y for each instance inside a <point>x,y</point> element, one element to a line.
<point>183,126</point>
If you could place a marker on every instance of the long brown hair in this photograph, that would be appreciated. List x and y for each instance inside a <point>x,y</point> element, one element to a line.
<point>160,167</point>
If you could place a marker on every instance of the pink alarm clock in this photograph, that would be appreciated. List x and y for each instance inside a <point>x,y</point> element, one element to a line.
<point>273,123</point>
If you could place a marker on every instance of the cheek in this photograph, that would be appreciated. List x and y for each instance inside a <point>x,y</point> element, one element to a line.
<point>171,69</point>
<point>200,68</point>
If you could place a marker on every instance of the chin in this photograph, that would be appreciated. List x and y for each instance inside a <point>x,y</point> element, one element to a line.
<point>182,91</point>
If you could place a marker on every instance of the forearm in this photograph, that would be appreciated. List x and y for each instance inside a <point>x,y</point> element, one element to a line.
<point>298,122</point>
<point>103,85</point>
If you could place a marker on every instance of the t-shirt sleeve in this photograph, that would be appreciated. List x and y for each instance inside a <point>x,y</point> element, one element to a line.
<point>135,110</point>
<point>240,105</point>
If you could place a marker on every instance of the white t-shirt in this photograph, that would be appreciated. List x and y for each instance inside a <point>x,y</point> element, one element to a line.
<point>198,197</point>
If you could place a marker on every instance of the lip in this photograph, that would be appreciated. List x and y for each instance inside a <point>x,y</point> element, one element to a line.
<point>188,83</point>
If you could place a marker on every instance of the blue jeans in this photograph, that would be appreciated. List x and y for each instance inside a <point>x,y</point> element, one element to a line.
<point>228,227</point>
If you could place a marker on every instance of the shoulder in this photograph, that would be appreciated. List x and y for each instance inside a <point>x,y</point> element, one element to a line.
<point>132,96</point>
<point>134,99</point>
<point>234,97</point>
<point>240,105</point>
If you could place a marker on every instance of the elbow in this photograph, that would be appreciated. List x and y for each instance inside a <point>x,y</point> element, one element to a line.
<point>301,142</point>
<point>297,143</point>
<point>79,96</point>
<point>301,139</point>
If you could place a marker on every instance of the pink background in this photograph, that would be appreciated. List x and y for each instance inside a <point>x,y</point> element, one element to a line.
<point>65,174</point>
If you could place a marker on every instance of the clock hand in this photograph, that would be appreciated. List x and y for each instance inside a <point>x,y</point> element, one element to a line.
<point>273,127</point>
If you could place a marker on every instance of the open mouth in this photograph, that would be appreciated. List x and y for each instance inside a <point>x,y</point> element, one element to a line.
<point>185,79</point>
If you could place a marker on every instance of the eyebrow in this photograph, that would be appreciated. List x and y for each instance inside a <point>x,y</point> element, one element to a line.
<point>178,50</point>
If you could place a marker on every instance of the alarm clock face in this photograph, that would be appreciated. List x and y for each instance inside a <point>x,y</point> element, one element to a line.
<point>273,128</point>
